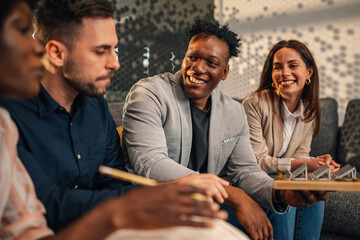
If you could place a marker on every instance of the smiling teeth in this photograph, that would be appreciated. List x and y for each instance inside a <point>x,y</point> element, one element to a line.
<point>194,80</point>
<point>287,82</point>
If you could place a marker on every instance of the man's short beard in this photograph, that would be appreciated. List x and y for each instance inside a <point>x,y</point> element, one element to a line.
<point>76,81</point>
<point>86,89</point>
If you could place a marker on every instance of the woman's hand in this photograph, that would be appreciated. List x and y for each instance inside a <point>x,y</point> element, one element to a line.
<point>327,159</point>
<point>315,163</point>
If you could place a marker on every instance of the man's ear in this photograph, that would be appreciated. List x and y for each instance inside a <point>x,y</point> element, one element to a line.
<point>226,71</point>
<point>57,52</point>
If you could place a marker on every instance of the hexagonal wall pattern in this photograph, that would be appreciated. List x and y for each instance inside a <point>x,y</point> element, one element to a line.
<point>153,39</point>
<point>330,29</point>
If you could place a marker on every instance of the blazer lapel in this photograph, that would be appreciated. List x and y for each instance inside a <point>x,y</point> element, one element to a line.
<point>215,132</point>
<point>278,125</point>
<point>183,106</point>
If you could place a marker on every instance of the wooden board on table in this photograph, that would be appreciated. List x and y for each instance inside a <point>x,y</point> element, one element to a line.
<point>284,182</point>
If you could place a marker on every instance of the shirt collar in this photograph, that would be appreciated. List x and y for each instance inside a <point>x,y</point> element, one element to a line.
<point>298,112</point>
<point>47,105</point>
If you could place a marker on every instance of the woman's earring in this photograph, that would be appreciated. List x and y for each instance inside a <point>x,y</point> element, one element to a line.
<point>273,85</point>
<point>308,81</point>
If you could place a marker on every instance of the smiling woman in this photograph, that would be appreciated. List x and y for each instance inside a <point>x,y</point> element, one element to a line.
<point>309,93</point>
<point>283,115</point>
<point>289,75</point>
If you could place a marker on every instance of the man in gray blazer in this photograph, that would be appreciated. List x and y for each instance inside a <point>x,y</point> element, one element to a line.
<point>180,127</point>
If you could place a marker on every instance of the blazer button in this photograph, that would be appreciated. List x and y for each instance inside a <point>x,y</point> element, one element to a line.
<point>76,186</point>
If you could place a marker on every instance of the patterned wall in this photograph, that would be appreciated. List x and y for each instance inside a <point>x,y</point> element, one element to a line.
<point>152,38</point>
<point>330,28</point>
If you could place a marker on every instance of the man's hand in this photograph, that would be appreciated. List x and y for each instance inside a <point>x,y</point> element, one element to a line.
<point>249,214</point>
<point>213,185</point>
<point>164,206</point>
<point>302,198</point>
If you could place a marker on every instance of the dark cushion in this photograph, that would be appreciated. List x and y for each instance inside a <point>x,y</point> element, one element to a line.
<point>342,213</point>
<point>349,144</point>
<point>336,236</point>
<point>325,142</point>
<point>116,110</point>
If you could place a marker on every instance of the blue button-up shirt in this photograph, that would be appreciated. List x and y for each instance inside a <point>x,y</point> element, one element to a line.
<point>63,152</point>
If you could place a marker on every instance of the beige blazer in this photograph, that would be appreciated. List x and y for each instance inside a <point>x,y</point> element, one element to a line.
<point>265,117</point>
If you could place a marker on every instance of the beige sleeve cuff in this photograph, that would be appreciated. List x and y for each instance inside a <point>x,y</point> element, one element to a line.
<point>285,164</point>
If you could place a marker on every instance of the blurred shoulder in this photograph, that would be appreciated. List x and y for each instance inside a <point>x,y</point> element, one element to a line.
<point>256,98</point>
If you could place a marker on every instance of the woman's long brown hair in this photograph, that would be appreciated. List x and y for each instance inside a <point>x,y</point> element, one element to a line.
<point>310,95</point>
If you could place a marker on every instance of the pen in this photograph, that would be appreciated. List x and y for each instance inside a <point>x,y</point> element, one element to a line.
<point>126,176</point>
<point>129,177</point>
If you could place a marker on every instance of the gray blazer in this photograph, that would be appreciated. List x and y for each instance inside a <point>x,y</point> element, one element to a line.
<point>157,131</point>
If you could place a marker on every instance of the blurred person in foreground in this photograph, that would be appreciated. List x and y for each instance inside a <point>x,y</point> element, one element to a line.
<point>22,214</point>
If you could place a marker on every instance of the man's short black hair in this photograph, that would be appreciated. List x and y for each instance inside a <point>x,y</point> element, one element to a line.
<point>61,19</point>
<point>213,28</point>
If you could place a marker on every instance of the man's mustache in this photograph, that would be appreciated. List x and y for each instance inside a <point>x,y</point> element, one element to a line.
<point>109,75</point>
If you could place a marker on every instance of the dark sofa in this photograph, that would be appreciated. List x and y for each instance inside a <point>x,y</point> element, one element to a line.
<point>342,210</point>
